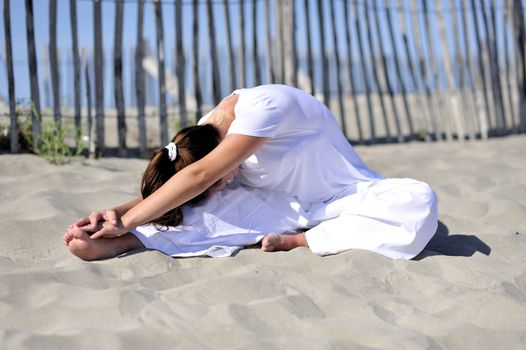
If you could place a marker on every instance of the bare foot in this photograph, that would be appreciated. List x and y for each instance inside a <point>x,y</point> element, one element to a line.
<point>273,242</point>
<point>80,244</point>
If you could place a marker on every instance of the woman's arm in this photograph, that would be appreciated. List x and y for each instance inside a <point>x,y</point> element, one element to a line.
<point>187,183</point>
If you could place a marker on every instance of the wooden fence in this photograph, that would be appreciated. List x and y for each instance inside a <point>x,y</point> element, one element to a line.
<point>391,70</point>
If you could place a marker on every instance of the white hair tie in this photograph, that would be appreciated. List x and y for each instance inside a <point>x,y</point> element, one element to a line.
<point>172,151</point>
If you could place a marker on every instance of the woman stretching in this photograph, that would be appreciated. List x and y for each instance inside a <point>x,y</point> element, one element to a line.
<point>291,155</point>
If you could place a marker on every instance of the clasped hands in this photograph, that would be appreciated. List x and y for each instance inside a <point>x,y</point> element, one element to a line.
<point>103,223</point>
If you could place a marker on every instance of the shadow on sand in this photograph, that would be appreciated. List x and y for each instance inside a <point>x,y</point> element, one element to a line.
<point>443,243</point>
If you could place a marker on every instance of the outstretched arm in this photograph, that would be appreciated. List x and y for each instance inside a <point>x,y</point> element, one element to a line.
<point>187,183</point>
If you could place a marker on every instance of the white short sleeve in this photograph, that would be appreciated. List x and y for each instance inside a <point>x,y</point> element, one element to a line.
<point>256,114</point>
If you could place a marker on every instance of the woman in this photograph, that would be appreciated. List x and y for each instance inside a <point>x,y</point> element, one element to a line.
<point>285,141</point>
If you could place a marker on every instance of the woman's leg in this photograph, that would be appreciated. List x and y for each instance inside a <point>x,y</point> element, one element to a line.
<point>273,242</point>
<point>80,244</point>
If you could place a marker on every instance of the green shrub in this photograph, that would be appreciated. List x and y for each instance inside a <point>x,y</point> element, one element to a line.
<point>52,145</point>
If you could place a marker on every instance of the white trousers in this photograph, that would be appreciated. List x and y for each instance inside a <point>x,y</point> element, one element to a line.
<point>393,217</point>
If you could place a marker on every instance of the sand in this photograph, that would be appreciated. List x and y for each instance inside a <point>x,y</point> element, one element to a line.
<point>467,290</point>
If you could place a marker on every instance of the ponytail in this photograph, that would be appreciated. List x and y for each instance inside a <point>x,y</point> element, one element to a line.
<point>193,143</point>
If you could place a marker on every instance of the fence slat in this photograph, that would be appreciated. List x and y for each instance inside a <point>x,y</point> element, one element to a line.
<point>352,79</point>
<point>33,70</point>
<point>268,44</point>
<point>324,60</point>
<point>481,120</point>
<point>180,63</point>
<point>482,73</point>
<point>216,87</point>
<point>159,30</point>
<point>380,93</point>
<point>10,78</point>
<point>289,43</point>
<point>140,80</point>
<point>520,37</point>
<point>195,60</point>
<point>255,50</point>
<point>423,101</point>
<point>507,29</point>
<point>99,77</point>
<point>399,73</point>
<point>230,50</point>
<point>383,66</point>
<point>92,151</point>
<point>338,69</point>
<point>117,71</point>
<point>53,56</point>
<point>76,65</point>
<point>310,63</point>
<point>241,60</point>
<point>372,131</point>
<point>453,103</point>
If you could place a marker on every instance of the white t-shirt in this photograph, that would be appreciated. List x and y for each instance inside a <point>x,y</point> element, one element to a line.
<point>306,156</point>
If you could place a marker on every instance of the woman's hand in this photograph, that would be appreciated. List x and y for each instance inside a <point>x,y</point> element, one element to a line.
<point>110,230</point>
<point>93,220</point>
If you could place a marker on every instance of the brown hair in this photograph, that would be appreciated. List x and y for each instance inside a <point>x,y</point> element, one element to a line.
<point>193,143</point>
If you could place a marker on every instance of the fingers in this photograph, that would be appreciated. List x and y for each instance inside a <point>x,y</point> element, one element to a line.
<point>111,216</point>
<point>81,222</point>
<point>98,234</point>
<point>94,219</point>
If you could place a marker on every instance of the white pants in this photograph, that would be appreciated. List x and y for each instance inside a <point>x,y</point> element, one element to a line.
<point>392,217</point>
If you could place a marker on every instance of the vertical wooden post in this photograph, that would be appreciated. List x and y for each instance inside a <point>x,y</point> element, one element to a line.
<point>280,66</point>
<point>140,79</point>
<point>476,97</point>
<point>456,112</point>
<point>310,64</point>
<point>289,43</point>
<point>424,103</point>
<point>338,71</point>
<point>216,88</point>
<point>255,55</point>
<point>468,111</point>
<point>424,71</point>
<point>493,62</point>
<point>33,70</point>
<point>230,51</point>
<point>268,51</point>
<point>195,60</point>
<point>91,126</point>
<point>445,111</point>
<point>163,117</point>
<point>13,130</point>
<point>324,59</point>
<point>180,63</point>
<point>508,27</point>
<point>352,79</point>
<point>358,27</point>
<point>76,64</point>
<point>399,73</point>
<point>99,76</point>
<point>53,56</point>
<point>117,71</point>
<point>383,66</point>
<point>482,73</point>
<point>520,37</point>
<point>370,41</point>
<point>242,67</point>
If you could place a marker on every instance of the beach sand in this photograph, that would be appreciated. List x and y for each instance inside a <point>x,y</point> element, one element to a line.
<point>467,290</point>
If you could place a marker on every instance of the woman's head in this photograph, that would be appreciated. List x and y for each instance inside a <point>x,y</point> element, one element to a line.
<point>192,143</point>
